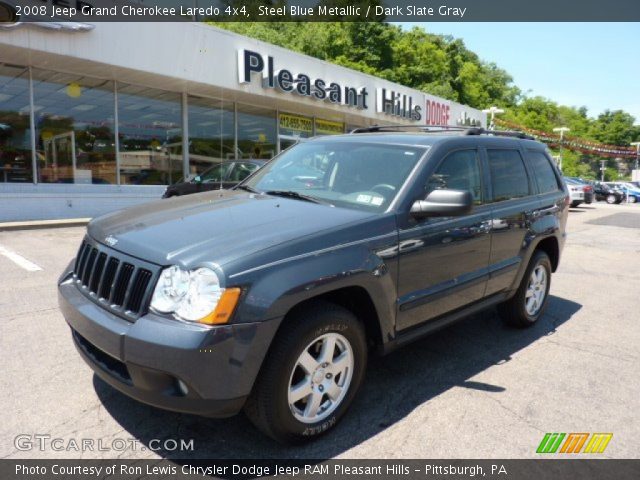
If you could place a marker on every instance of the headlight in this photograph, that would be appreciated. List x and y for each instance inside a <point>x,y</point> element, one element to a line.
<point>195,296</point>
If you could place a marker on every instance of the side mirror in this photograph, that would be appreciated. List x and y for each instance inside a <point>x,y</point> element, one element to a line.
<point>443,203</point>
<point>197,179</point>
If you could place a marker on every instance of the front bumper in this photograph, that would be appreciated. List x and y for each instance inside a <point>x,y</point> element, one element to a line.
<point>154,359</point>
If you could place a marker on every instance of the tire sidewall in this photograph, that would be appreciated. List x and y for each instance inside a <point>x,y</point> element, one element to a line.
<point>354,333</point>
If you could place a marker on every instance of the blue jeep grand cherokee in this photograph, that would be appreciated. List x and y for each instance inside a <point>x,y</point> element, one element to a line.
<point>270,296</point>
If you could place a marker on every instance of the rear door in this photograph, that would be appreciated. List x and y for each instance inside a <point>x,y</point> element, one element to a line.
<point>513,203</point>
<point>443,262</point>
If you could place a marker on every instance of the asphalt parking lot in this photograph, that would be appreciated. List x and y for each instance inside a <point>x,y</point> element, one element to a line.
<point>477,389</point>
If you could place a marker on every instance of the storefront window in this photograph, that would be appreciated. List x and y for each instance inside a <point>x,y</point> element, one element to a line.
<point>256,132</point>
<point>211,133</point>
<point>74,117</point>
<point>15,131</point>
<point>150,128</point>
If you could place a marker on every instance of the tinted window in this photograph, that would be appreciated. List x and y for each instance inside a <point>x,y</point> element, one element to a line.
<point>458,171</point>
<point>508,175</point>
<point>543,172</point>
<point>242,170</point>
<point>215,174</point>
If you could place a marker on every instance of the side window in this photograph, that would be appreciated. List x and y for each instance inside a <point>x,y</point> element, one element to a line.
<point>543,172</point>
<point>215,174</point>
<point>508,175</point>
<point>458,171</point>
<point>242,170</point>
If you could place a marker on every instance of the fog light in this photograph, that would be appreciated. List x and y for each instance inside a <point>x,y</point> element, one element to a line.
<point>183,388</point>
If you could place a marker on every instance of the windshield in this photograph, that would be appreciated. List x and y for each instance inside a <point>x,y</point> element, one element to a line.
<point>352,175</point>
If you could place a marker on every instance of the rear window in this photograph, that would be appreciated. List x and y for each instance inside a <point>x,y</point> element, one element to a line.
<point>543,172</point>
<point>508,175</point>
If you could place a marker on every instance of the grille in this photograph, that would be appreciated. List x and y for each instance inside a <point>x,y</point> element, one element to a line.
<point>116,282</point>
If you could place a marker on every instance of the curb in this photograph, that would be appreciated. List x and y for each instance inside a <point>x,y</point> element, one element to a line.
<point>40,224</point>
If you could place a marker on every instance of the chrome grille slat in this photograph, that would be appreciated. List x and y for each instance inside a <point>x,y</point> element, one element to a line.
<point>122,284</point>
<point>109,277</point>
<point>88,269</point>
<point>116,275</point>
<point>136,294</point>
<point>96,275</point>
<point>117,282</point>
<point>83,261</point>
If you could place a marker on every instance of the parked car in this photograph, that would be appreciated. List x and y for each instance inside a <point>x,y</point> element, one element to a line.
<point>604,192</point>
<point>270,296</point>
<point>579,192</point>
<point>222,175</point>
<point>630,191</point>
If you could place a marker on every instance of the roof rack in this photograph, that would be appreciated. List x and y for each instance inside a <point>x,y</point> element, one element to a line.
<point>444,128</point>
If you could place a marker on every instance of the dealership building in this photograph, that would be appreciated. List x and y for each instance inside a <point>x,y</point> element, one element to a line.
<point>99,117</point>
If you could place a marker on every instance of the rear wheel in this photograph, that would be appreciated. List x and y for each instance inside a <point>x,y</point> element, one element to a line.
<point>575,204</point>
<point>312,374</point>
<point>528,304</point>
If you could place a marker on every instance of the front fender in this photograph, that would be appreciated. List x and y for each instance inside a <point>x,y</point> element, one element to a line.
<point>273,291</point>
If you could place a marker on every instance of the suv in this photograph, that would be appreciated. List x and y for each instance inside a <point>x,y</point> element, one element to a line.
<point>270,296</point>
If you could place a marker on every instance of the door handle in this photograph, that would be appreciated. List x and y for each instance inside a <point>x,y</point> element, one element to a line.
<point>549,210</point>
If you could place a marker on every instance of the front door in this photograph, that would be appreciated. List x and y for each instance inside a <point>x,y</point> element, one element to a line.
<point>444,261</point>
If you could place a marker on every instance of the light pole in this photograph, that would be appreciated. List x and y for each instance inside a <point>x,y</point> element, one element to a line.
<point>637,145</point>
<point>493,111</point>
<point>561,130</point>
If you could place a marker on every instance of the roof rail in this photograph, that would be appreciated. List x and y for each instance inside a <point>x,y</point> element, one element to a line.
<point>443,128</point>
<point>498,133</point>
<point>424,128</point>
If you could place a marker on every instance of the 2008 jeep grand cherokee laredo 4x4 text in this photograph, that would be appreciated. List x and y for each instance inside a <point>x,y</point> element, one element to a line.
<point>269,296</point>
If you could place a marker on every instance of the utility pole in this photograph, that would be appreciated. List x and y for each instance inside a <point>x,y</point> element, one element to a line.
<point>561,130</point>
<point>603,167</point>
<point>493,111</point>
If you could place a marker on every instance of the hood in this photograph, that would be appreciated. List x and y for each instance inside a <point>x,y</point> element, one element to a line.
<point>217,226</point>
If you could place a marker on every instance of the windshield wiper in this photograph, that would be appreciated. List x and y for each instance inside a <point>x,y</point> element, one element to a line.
<point>296,195</point>
<point>247,189</point>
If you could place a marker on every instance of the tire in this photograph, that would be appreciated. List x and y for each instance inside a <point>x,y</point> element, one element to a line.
<point>575,204</point>
<point>520,310</point>
<point>632,199</point>
<point>611,199</point>
<point>272,405</point>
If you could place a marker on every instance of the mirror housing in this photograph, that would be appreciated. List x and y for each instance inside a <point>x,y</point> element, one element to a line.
<point>443,203</point>
<point>197,179</point>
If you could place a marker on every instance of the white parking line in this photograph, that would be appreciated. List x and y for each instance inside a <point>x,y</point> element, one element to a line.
<point>19,260</point>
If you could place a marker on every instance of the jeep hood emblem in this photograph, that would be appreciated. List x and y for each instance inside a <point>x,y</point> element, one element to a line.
<point>110,240</point>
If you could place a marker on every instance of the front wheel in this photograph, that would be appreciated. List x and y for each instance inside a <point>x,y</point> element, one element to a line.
<point>311,375</point>
<point>632,199</point>
<point>611,199</point>
<point>528,304</point>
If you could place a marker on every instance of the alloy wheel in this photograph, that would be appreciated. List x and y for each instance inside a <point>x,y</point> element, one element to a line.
<point>320,378</point>
<point>536,290</point>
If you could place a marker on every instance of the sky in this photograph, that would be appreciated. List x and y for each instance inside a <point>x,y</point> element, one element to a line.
<point>596,65</point>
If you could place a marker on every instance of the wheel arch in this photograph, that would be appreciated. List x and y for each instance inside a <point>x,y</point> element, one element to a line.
<point>356,299</point>
<point>550,246</point>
